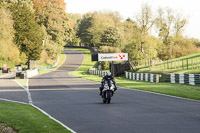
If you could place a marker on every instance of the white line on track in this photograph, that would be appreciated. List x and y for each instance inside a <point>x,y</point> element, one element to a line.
<point>146,91</point>
<point>7,100</point>
<point>54,119</point>
<point>27,90</point>
<point>31,103</point>
<point>45,113</point>
<point>161,94</point>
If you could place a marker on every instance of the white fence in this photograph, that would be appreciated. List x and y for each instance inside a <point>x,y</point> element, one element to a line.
<point>129,75</point>
<point>143,76</point>
<point>95,71</point>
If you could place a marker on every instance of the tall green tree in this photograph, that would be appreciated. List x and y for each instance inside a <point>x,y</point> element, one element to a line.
<point>84,29</point>
<point>28,35</point>
<point>8,50</point>
<point>55,22</point>
<point>94,24</point>
<point>111,37</point>
<point>130,29</point>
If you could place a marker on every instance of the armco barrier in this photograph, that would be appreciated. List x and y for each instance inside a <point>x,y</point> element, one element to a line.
<point>50,66</point>
<point>143,76</point>
<point>95,71</point>
<point>191,79</point>
<point>129,75</point>
<point>31,73</point>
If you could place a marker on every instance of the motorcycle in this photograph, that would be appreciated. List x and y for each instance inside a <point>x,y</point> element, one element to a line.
<point>108,91</point>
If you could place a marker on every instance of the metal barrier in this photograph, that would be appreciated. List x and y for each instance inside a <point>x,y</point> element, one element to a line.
<point>191,79</point>
<point>50,66</point>
<point>129,75</point>
<point>95,71</point>
<point>143,77</point>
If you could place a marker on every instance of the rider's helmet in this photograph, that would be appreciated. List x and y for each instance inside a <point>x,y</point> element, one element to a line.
<point>108,74</point>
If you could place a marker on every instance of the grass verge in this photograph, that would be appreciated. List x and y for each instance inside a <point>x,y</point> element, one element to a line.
<point>184,64</point>
<point>86,64</point>
<point>22,82</point>
<point>180,90</point>
<point>26,119</point>
<point>62,59</point>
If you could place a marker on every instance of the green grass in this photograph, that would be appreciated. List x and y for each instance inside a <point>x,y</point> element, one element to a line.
<point>180,90</point>
<point>62,59</point>
<point>27,119</point>
<point>161,71</point>
<point>22,82</point>
<point>87,63</point>
<point>185,64</point>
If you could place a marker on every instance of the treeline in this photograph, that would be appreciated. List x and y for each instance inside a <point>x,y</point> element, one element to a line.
<point>31,29</point>
<point>107,31</point>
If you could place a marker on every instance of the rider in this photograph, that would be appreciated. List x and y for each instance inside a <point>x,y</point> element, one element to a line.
<point>108,76</point>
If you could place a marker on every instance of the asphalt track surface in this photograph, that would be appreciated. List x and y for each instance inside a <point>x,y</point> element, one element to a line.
<point>10,90</point>
<point>76,103</point>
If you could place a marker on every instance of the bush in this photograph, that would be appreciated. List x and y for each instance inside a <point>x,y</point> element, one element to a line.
<point>109,49</point>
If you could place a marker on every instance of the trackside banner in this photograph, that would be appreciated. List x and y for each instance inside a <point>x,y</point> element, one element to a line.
<point>113,57</point>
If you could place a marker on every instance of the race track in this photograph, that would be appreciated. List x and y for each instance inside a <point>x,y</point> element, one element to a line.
<point>76,103</point>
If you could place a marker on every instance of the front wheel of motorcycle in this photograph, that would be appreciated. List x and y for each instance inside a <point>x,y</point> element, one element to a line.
<point>104,100</point>
<point>108,100</point>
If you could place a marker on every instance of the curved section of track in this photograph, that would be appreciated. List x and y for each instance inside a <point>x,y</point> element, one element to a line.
<point>76,103</point>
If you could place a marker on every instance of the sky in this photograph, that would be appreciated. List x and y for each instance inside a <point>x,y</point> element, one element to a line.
<point>129,8</point>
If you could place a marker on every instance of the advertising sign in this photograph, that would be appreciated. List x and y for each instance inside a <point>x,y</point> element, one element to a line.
<point>113,57</point>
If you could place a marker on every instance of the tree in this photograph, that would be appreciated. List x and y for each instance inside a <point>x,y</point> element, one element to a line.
<point>8,50</point>
<point>94,24</point>
<point>100,22</point>
<point>179,24</point>
<point>145,19</point>
<point>134,50</point>
<point>58,3</point>
<point>28,35</point>
<point>165,24</point>
<point>83,31</point>
<point>111,37</point>
<point>74,22</point>
<point>55,22</point>
<point>130,29</point>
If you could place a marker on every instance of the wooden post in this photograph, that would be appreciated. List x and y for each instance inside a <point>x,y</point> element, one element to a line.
<point>171,63</point>
<point>187,64</point>
<point>192,63</point>
<point>179,63</point>
<point>197,63</point>
<point>167,65</point>
<point>175,64</point>
<point>182,65</point>
<point>164,65</point>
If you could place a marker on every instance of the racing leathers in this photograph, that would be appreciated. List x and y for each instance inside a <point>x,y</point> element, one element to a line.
<point>105,78</point>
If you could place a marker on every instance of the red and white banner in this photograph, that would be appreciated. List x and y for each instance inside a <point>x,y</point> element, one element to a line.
<point>113,57</point>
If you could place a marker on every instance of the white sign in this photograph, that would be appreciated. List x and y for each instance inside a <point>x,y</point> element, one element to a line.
<point>113,57</point>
